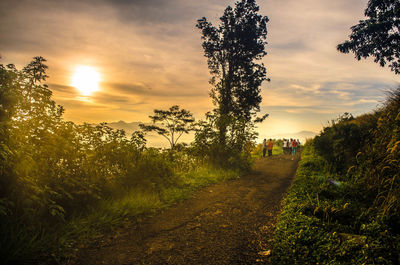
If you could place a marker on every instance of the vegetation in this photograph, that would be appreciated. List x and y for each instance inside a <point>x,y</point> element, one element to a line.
<point>345,199</point>
<point>63,184</point>
<point>173,124</point>
<point>378,36</point>
<point>232,52</point>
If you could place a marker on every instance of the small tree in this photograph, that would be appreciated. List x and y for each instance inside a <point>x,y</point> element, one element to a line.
<point>378,36</point>
<point>172,124</point>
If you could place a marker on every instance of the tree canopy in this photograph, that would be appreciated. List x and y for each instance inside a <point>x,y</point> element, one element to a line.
<point>232,50</point>
<point>378,36</point>
<point>172,123</point>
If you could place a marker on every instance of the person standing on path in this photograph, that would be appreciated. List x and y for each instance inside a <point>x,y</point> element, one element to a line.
<point>270,147</point>
<point>283,145</point>
<point>286,146</point>
<point>264,146</point>
<point>294,147</point>
<point>298,146</point>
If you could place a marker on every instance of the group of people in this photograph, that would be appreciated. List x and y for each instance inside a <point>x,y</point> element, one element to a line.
<point>269,146</point>
<point>291,146</point>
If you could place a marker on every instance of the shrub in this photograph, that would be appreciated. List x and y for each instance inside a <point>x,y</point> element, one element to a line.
<point>345,198</point>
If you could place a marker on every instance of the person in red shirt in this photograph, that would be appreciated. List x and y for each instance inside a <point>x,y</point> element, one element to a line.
<point>294,147</point>
<point>270,147</point>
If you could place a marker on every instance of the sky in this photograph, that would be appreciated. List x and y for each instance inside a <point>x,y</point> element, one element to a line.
<point>148,55</point>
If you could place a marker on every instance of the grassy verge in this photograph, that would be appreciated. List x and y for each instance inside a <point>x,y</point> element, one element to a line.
<point>122,211</point>
<point>324,221</point>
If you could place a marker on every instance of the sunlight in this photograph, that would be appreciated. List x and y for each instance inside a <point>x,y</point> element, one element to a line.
<point>86,79</point>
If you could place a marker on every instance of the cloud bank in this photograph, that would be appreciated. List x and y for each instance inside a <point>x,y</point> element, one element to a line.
<point>149,55</point>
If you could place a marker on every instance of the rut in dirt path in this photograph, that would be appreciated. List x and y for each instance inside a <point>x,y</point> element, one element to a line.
<point>228,223</point>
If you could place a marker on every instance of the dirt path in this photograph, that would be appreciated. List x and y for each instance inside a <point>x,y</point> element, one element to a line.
<point>228,223</point>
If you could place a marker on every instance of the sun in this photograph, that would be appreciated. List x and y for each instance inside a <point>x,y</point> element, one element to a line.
<point>86,79</point>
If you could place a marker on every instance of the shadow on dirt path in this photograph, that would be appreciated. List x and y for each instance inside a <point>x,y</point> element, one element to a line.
<point>228,223</point>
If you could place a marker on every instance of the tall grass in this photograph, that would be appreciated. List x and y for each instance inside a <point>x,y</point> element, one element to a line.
<point>344,200</point>
<point>327,221</point>
<point>62,241</point>
<point>62,184</point>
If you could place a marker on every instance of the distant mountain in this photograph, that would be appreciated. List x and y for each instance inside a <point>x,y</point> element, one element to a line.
<point>155,140</point>
<point>302,135</point>
<point>128,127</point>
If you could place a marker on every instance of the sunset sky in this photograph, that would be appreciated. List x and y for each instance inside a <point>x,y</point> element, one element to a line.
<point>148,55</point>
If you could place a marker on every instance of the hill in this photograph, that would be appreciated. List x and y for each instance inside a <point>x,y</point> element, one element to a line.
<point>302,135</point>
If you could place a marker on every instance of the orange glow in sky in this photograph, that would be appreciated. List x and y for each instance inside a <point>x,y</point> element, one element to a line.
<point>120,60</point>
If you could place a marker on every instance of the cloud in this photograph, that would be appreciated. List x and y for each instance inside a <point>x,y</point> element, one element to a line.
<point>145,90</point>
<point>323,97</point>
<point>61,88</point>
<point>299,109</point>
<point>152,11</point>
<point>290,46</point>
<point>149,55</point>
<point>129,88</point>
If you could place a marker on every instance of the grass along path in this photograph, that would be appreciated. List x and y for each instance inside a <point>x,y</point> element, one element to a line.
<point>226,223</point>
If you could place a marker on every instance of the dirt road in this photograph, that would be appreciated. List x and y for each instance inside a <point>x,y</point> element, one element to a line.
<point>228,223</point>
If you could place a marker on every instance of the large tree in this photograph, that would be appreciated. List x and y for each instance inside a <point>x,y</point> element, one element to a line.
<point>378,36</point>
<point>171,123</point>
<point>233,50</point>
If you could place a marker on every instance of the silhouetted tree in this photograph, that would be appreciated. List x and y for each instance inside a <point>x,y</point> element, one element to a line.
<point>37,69</point>
<point>173,123</point>
<point>378,36</point>
<point>232,50</point>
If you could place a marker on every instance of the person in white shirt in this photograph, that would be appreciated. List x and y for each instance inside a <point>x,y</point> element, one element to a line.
<point>264,147</point>
<point>285,146</point>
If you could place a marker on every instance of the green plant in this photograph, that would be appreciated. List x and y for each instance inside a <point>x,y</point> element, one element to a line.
<point>344,200</point>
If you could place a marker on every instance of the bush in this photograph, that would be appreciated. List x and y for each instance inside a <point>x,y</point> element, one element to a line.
<point>345,197</point>
<point>326,221</point>
<point>152,170</point>
<point>61,182</point>
<point>340,143</point>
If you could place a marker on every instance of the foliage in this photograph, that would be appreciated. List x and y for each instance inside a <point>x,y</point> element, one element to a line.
<point>345,199</point>
<point>332,217</point>
<point>235,153</point>
<point>232,50</point>
<point>62,184</point>
<point>340,142</point>
<point>378,165</point>
<point>378,36</point>
<point>366,149</point>
<point>173,123</point>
